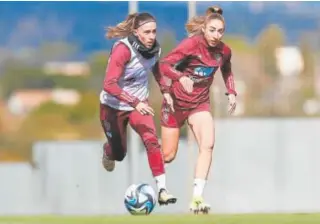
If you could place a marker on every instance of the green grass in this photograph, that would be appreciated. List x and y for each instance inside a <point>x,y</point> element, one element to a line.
<point>169,219</point>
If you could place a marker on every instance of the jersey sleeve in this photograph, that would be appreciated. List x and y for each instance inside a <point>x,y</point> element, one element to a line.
<point>119,57</point>
<point>167,64</point>
<point>226,70</point>
<point>163,81</point>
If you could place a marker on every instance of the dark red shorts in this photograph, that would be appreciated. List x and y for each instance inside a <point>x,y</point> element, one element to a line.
<point>177,119</point>
<point>114,123</point>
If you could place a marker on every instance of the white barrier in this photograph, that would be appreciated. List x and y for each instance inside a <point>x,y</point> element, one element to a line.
<point>259,166</point>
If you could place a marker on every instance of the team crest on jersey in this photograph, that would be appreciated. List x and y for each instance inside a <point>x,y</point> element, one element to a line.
<point>165,117</point>
<point>204,71</point>
<point>165,113</point>
<point>218,57</point>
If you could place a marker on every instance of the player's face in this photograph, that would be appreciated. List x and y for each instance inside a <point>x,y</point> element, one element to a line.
<point>147,34</point>
<point>213,32</point>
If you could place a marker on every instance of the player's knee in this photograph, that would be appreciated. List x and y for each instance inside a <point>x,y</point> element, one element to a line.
<point>169,156</point>
<point>169,159</point>
<point>207,147</point>
<point>119,153</point>
<point>120,158</point>
<point>152,145</point>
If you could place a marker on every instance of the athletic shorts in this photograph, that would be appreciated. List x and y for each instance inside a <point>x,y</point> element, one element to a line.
<point>177,119</point>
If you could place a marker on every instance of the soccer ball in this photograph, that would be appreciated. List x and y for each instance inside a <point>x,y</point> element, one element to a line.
<point>140,199</point>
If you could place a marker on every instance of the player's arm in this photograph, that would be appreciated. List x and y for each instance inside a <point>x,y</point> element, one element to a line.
<point>226,70</point>
<point>118,59</point>
<point>163,81</point>
<point>168,64</point>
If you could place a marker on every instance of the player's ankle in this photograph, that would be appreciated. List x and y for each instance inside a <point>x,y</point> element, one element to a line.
<point>198,187</point>
<point>161,190</point>
<point>197,198</point>
<point>161,182</point>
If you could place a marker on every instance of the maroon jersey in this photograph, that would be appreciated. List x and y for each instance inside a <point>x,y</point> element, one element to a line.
<point>194,58</point>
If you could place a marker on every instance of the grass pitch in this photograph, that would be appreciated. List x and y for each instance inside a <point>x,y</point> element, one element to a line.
<point>170,219</point>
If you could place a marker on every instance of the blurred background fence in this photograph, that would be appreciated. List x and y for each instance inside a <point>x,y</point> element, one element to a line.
<point>52,63</point>
<point>260,166</point>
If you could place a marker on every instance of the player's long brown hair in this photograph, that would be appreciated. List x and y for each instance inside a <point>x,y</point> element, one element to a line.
<point>194,26</point>
<point>126,27</point>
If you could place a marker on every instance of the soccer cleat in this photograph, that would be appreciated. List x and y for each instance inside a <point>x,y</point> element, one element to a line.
<point>164,198</point>
<point>108,163</point>
<point>198,206</point>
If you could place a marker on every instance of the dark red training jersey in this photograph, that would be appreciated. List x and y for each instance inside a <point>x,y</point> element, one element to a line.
<point>194,58</point>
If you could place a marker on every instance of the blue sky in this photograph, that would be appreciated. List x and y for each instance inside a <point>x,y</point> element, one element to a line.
<point>82,23</point>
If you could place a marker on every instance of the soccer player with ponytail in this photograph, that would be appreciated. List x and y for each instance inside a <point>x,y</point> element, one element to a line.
<point>124,98</point>
<point>192,66</point>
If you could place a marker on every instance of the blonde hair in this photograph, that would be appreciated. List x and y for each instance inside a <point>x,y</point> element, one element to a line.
<point>194,26</point>
<point>126,27</point>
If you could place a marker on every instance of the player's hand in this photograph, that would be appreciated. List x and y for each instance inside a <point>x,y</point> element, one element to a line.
<point>169,100</point>
<point>144,109</point>
<point>232,103</point>
<point>186,83</point>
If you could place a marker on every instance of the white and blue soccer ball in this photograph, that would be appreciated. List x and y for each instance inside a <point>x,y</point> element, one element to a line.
<point>140,199</point>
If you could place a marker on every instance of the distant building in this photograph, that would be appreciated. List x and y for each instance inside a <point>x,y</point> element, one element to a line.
<point>22,102</point>
<point>67,68</point>
<point>289,60</point>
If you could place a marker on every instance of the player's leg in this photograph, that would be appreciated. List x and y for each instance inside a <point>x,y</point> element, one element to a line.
<point>145,127</point>
<point>202,125</point>
<point>170,133</point>
<point>114,123</point>
<point>169,143</point>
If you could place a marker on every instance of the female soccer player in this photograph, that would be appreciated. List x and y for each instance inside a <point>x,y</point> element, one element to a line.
<point>124,98</point>
<point>191,66</point>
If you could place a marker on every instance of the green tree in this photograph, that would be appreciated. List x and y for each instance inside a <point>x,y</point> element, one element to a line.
<point>167,42</point>
<point>268,41</point>
<point>48,122</point>
<point>307,75</point>
<point>27,72</point>
<point>18,75</point>
<point>50,108</point>
<point>239,44</point>
<point>1,124</point>
<point>86,110</point>
<point>56,51</point>
<point>79,83</point>
<point>98,63</point>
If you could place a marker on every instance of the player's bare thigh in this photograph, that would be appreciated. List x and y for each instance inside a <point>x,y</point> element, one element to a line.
<point>169,142</point>
<point>170,132</point>
<point>202,125</point>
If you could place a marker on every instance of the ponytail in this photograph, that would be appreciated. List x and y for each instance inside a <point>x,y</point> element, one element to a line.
<point>194,26</point>
<point>122,29</point>
<point>214,9</point>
